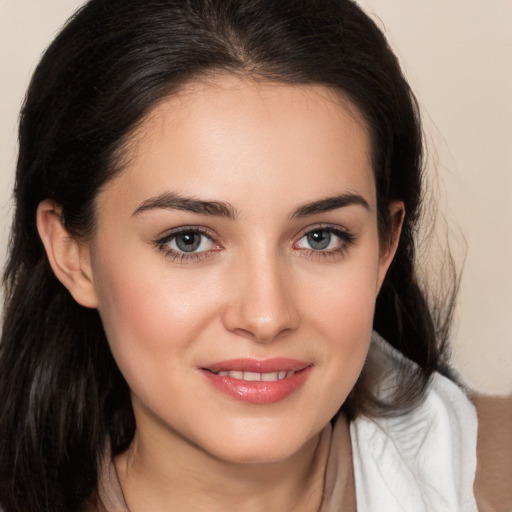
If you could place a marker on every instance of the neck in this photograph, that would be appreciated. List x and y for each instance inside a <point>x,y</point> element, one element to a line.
<point>161,474</point>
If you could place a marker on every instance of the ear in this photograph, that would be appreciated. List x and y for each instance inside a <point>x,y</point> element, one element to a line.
<point>69,258</point>
<point>389,246</point>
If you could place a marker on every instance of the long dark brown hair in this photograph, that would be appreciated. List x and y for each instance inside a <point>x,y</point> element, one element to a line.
<point>61,393</point>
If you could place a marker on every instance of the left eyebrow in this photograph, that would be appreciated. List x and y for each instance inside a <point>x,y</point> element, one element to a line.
<point>329,204</point>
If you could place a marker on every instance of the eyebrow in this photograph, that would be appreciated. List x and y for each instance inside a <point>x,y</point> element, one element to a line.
<point>172,201</point>
<point>329,204</point>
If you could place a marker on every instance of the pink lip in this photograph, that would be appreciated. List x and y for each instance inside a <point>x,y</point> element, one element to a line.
<point>258,392</point>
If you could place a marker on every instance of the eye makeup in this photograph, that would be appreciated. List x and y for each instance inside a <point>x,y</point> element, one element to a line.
<point>190,244</point>
<point>325,241</point>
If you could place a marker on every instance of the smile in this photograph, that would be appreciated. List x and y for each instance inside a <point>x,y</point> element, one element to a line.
<point>255,376</point>
<point>258,382</point>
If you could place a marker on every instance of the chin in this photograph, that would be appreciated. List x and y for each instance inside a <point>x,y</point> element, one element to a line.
<point>256,454</point>
<point>253,445</point>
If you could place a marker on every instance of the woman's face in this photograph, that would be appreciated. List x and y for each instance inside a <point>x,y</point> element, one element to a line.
<point>236,263</point>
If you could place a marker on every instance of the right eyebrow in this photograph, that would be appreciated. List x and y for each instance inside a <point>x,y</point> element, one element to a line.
<point>172,201</point>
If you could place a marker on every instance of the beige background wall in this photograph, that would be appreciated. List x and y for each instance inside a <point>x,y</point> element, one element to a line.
<point>457,55</point>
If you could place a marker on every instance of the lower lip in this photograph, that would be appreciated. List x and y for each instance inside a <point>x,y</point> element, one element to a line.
<point>258,392</point>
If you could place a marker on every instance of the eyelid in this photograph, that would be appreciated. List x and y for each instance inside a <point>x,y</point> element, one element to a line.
<point>167,235</point>
<point>333,228</point>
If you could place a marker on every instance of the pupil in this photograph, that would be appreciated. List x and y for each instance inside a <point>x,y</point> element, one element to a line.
<point>188,242</point>
<point>319,240</point>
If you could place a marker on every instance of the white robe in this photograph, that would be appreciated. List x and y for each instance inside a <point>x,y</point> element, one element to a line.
<point>423,461</point>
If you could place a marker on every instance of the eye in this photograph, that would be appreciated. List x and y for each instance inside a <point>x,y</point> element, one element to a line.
<point>190,241</point>
<point>327,239</point>
<point>187,244</point>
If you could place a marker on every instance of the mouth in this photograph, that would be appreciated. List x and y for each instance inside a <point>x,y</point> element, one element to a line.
<point>258,382</point>
<point>256,376</point>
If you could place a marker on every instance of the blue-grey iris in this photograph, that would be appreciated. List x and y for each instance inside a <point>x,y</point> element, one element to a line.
<point>319,240</point>
<point>188,242</point>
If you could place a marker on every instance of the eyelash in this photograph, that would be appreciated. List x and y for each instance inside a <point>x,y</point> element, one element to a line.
<point>183,257</point>
<point>347,239</point>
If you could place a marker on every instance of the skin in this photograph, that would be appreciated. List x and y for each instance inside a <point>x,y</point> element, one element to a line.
<point>256,288</point>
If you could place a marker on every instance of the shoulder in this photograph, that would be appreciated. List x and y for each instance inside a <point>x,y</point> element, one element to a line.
<point>493,489</point>
<point>419,461</point>
<point>93,504</point>
<point>108,495</point>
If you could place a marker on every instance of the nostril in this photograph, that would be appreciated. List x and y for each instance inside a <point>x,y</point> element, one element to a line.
<point>261,306</point>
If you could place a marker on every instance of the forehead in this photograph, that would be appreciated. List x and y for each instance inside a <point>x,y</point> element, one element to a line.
<point>230,138</point>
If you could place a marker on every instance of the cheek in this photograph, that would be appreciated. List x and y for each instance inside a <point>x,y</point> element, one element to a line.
<point>341,310</point>
<point>148,311</point>
<point>344,298</point>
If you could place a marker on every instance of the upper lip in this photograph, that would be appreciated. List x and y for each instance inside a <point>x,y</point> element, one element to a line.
<point>258,366</point>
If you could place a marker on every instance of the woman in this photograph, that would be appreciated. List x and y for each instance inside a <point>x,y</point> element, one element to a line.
<point>216,203</point>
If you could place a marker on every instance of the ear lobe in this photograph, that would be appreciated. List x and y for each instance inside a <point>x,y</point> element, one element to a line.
<point>396,215</point>
<point>68,257</point>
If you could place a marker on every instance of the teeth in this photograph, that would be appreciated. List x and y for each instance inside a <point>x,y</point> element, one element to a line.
<point>251,376</point>
<point>254,376</point>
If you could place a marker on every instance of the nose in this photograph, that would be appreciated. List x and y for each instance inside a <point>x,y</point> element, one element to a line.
<point>262,303</point>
